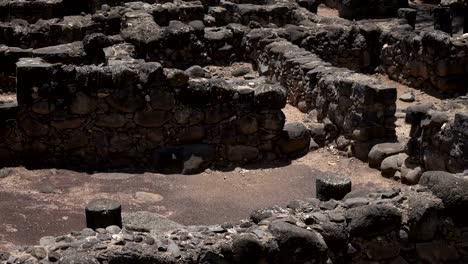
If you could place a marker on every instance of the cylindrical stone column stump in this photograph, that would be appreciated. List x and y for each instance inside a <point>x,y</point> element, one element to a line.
<point>101,213</point>
<point>329,186</point>
<point>409,14</point>
<point>443,19</point>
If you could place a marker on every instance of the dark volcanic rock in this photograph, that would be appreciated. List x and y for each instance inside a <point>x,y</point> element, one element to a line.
<point>296,244</point>
<point>452,190</point>
<point>295,138</point>
<point>329,186</point>
<point>371,220</point>
<point>270,96</point>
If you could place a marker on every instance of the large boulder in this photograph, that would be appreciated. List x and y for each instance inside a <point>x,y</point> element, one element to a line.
<point>143,221</point>
<point>295,139</point>
<point>415,113</point>
<point>381,151</point>
<point>297,245</point>
<point>374,219</point>
<point>452,190</point>
<point>392,164</point>
<point>423,216</point>
<point>270,96</point>
<point>202,92</point>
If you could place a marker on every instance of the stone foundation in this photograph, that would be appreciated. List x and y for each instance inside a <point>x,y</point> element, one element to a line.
<point>121,114</point>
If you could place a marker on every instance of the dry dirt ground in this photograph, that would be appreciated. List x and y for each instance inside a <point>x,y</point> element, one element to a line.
<point>36,203</point>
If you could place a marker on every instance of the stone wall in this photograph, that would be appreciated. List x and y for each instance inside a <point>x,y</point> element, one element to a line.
<point>361,108</point>
<point>357,9</point>
<point>125,114</point>
<point>355,47</point>
<point>431,60</point>
<point>410,225</point>
<point>438,142</point>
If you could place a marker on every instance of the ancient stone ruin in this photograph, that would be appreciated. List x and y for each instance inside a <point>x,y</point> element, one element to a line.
<point>181,87</point>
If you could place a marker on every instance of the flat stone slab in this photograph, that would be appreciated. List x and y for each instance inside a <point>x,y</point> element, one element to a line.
<point>148,222</point>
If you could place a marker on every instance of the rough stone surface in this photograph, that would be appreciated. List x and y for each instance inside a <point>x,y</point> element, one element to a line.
<point>451,190</point>
<point>330,186</point>
<point>381,151</point>
<point>396,226</point>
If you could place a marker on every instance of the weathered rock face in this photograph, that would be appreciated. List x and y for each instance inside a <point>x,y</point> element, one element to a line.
<point>140,111</point>
<point>437,141</point>
<point>355,9</point>
<point>451,190</point>
<point>381,151</point>
<point>421,60</point>
<point>394,226</point>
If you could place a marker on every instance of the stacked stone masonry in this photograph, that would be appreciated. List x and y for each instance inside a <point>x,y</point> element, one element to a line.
<point>123,113</point>
<point>437,141</point>
<point>47,124</point>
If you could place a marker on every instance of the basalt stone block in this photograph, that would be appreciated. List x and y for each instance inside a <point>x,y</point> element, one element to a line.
<point>195,71</point>
<point>240,153</point>
<point>248,125</point>
<point>162,99</point>
<point>190,134</point>
<point>271,120</point>
<point>93,45</point>
<point>424,217</point>
<point>176,77</point>
<point>297,245</point>
<point>330,186</point>
<point>110,120</point>
<point>294,139</point>
<point>43,107</point>
<point>247,248</point>
<point>202,92</point>
<point>31,74</point>
<point>452,190</point>
<point>83,104</point>
<point>409,14</point>
<point>270,96</point>
<point>380,151</point>
<point>460,123</point>
<point>218,113</point>
<point>152,75</point>
<point>34,10</point>
<point>33,127</point>
<point>127,98</point>
<point>152,118</point>
<point>371,220</point>
<point>76,257</point>
<point>67,123</point>
<point>177,34</point>
<point>90,77</point>
<point>70,53</point>
<point>139,28</point>
<point>218,35</point>
<point>392,164</point>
